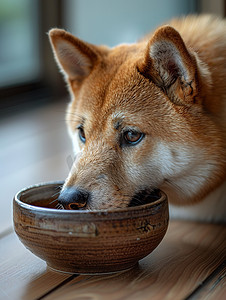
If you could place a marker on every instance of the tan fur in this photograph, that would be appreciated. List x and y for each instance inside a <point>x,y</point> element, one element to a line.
<point>170,86</point>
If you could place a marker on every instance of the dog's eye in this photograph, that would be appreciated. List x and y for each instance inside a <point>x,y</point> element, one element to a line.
<point>133,137</point>
<point>81,134</point>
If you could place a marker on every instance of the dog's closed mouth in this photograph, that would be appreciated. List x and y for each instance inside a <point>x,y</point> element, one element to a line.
<point>145,197</point>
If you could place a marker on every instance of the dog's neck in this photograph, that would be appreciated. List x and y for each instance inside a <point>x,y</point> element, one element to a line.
<point>211,209</point>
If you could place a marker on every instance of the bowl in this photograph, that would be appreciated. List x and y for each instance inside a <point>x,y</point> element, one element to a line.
<point>84,241</point>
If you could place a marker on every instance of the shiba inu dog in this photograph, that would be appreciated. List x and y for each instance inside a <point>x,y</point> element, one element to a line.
<point>148,115</point>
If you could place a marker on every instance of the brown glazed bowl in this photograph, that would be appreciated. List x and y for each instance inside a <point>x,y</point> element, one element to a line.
<point>83,241</point>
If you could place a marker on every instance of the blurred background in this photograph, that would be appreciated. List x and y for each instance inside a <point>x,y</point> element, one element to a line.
<point>34,143</point>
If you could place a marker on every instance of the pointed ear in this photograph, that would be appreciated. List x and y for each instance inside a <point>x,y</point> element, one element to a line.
<point>170,66</point>
<point>75,58</point>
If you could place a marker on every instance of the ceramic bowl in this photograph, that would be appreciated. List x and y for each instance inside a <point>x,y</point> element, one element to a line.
<point>83,241</point>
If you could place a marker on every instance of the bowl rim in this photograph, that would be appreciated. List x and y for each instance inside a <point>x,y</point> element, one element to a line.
<point>47,210</point>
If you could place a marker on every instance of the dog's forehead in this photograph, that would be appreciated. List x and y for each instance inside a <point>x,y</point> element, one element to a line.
<point>116,92</point>
<point>123,89</point>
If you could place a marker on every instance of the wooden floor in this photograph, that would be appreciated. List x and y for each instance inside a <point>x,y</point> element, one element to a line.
<point>190,263</point>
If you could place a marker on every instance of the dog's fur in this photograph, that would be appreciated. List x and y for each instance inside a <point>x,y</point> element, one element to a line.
<point>171,87</point>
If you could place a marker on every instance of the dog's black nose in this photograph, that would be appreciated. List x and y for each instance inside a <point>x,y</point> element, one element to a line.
<point>73,198</point>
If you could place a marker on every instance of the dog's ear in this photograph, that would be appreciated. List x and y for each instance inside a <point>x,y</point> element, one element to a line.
<point>75,58</point>
<point>170,66</point>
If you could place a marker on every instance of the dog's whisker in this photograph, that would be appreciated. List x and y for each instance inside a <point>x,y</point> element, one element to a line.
<point>59,206</point>
<point>53,201</point>
<point>56,194</point>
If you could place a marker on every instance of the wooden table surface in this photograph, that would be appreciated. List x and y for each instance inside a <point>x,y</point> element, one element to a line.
<point>190,262</point>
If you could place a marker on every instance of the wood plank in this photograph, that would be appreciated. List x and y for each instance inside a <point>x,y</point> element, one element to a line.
<point>189,253</point>
<point>213,287</point>
<point>35,149</point>
<point>53,168</point>
<point>21,125</point>
<point>23,275</point>
<point>32,150</point>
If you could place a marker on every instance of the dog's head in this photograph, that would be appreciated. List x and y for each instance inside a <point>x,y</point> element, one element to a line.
<point>136,120</point>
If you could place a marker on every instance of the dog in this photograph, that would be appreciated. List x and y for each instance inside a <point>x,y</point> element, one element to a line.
<point>146,116</point>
